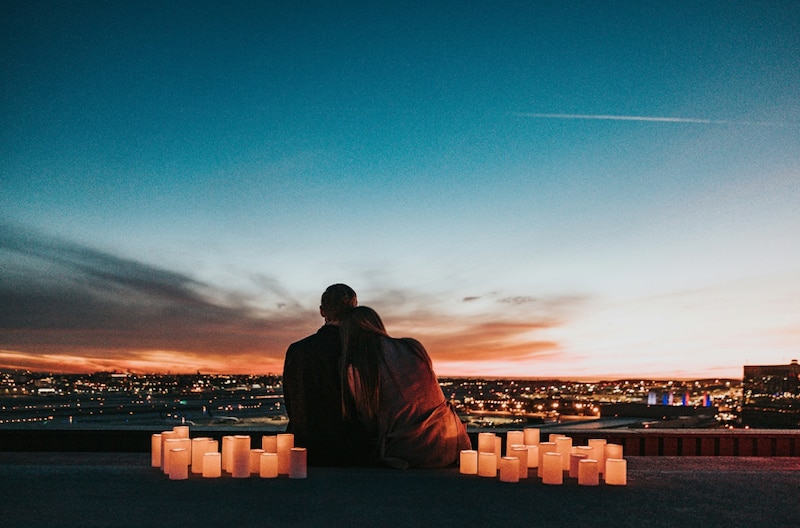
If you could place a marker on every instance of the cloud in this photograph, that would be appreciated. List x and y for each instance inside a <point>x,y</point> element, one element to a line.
<point>655,119</point>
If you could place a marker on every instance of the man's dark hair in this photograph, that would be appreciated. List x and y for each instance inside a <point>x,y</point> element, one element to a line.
<point>337,299</point>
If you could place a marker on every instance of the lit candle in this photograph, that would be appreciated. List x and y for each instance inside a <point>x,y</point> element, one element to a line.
<point>616,471</point>
<point>587,472</point>
<point>212,465</point>
<point>498,449</point>
<point>298,467</point>
<point>598,445</point>
<point>468,462</point>
<point>574,459</point>
<point>487,465</point>
<point>544,448</point>
<point>533,456</point>
<point>269,443</point>
<point>564,446</point>
<point>240,467</point>
<point>521,453</point>
<point>285,444</point>
<point>165,435</point>
<point>213,446</point>
<point>554,436</point>
<point>199,448</point>
<point>169,445</point>
<point>227,453</point>
<point>531,436</point>
<point>155,450</point>
<point>486,442</point>
<point>269,465</point>
<point>509,469</point>
<point>179,464</point>
<point>181,431</point>
<point>610,451</point>
<point>255,460</point>
<point>513,438</point>
<point>553,468</point>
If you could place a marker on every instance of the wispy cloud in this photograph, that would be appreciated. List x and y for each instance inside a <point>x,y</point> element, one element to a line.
<point>652,119</point>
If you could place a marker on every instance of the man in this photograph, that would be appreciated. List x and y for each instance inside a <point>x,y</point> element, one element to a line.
<point>312,389</point>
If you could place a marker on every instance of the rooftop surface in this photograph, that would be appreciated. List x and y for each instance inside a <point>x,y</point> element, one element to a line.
<point>46,489</point>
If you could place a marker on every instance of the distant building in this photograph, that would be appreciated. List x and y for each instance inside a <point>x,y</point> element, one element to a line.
<point>771,395</point>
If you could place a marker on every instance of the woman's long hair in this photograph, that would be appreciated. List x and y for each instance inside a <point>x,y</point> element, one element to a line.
<point>361,330</point>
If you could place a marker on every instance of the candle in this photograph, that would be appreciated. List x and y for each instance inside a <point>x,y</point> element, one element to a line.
<point>240,457</point>
<point>487,465</point>
<point>610,451</point>
<point>269,465</point>
<point>498,449</point>
<point>616,471</point>
<point>531,436</point>
<point>544,448</point>
<point>169,445</point>
<point>514,438</point>
<point>155,450</point>
<point>255,460</point>
<point>574,459</point>
<point>269,443</point>
<point>521,453</point>
<point>509,469</point>
<point>212,465</point>
<point>199,448</point>
<point>285,444</point>
<point>181,431</point>
<point>598,445</point>
<point>297,463</point>
<point>533,456</point>
<point>587,472</point>
<point>227,453</point>
<point>553,437</point>
<point>553,468</point>
<point>486,442</point>
<point>564,446</point>
<point>165,435</point>
<point>468,462</point>
<point>179,464</point>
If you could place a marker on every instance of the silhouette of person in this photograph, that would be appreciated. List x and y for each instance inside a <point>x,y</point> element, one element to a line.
<point>313,393</point>
<point>392,390</point>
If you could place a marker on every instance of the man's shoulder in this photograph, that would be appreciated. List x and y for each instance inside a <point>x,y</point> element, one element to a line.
<point>323,335</point>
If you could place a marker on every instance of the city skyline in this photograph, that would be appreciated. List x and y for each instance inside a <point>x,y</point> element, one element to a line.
<point>538,190</point>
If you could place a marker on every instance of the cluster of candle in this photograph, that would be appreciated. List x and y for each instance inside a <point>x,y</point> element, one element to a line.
<point>176,454</point>
<point>552,459</point>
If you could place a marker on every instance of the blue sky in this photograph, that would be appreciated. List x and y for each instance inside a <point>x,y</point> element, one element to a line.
<point>529,188</point>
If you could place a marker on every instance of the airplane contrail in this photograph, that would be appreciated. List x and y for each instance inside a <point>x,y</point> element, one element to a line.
<point>603,117</point>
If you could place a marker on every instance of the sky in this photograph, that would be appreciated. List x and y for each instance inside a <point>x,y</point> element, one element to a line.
<point>529,188</point>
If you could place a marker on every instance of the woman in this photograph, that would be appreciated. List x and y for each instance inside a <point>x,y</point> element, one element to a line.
<point>394,394</point>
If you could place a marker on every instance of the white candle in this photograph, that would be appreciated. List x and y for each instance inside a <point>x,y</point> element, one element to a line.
<point>564,446</point>
<point>179,464</point>
<point>487,465</point>
<point>155,450</point>
<point>240,467</point>
<point>610,451</point>
<point>521,452</point>
<point>298,467</point>
<point>269,465</point>
<point>486,442</point>
<point>509,469</point>
<point>181,431</point>
<point>598,445</point>
<point>255,460</point>
<point>553,468</point>
<point>574,459</point>
<point>468,462</point>
<point>587,472</point>
<point>165,435</point>
<point>514,438</point>
<point>212,465</point>
<point>227,453</point>
<point>544,448</point>
<point>531,436</point>
<point>616,471</point>
<point>213,446</point>
<point>285,444</point>
<point>169,445</point>
<point>199,446</point>
<point>554,436</point>
<point>269,443</point>
<point>533,456</point>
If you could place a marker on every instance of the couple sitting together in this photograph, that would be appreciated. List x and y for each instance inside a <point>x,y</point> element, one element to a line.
<point>356,396</point>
